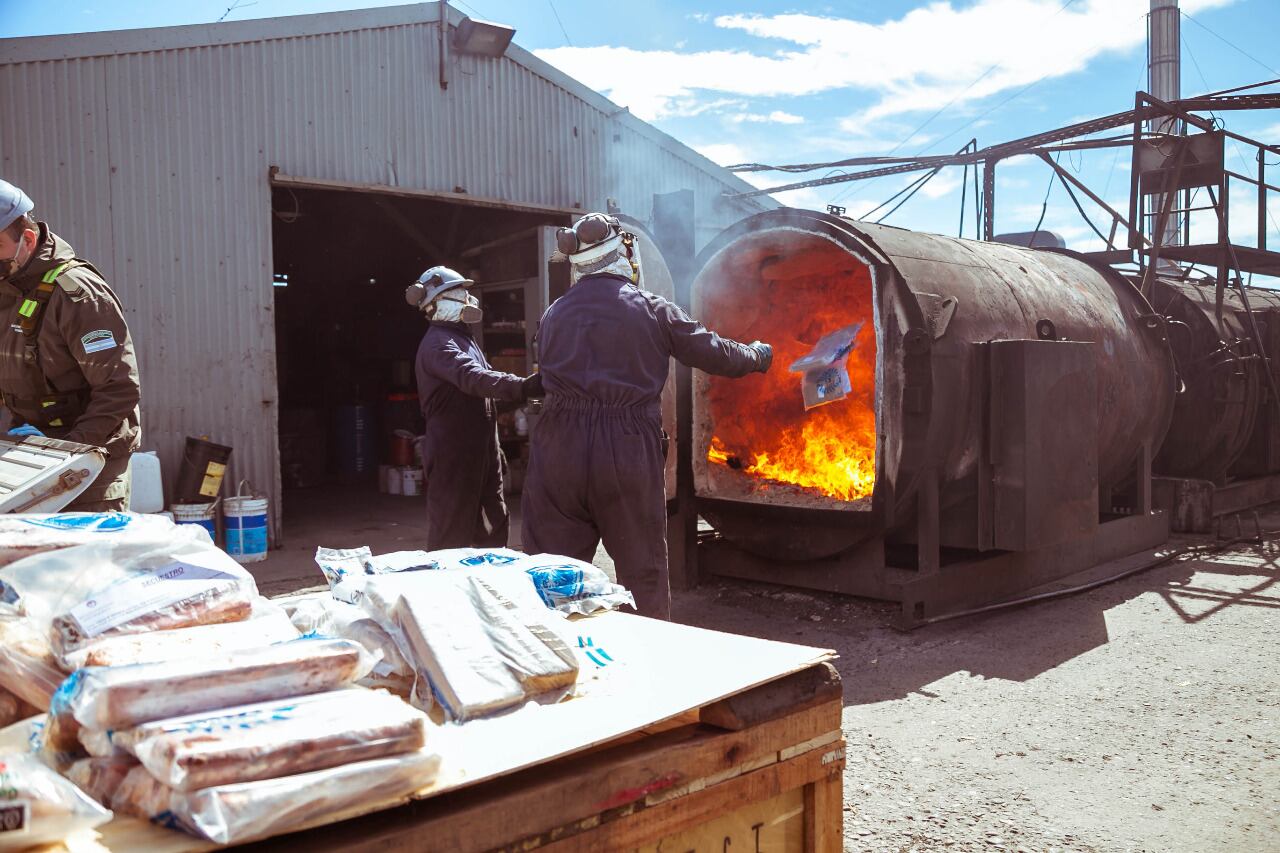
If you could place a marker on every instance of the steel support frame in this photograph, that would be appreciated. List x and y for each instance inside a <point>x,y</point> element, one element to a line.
<point>926,593</point>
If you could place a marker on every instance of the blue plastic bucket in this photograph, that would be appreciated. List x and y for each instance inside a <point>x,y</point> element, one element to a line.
<point>203,515</point>
<point>245,522</point>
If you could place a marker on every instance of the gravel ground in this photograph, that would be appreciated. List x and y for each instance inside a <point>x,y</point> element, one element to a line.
<point>1142,716</point>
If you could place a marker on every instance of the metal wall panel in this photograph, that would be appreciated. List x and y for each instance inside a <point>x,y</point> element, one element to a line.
<point>149,151</point>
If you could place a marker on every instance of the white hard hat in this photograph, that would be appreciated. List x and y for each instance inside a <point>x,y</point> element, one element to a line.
<point>13,204</point>
<point>432,283</point>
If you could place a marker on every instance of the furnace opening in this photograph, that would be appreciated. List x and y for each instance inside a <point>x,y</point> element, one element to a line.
<point>755,440</point>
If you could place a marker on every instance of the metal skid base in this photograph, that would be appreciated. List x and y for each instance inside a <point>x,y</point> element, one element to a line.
<point>1197,506</point>
<point>969,580</point>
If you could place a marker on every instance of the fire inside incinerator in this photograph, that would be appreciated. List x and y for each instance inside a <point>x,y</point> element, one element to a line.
<point>759,425</point>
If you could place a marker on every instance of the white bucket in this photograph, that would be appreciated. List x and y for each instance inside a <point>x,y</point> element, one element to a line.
<point>245,520</point>
<point>385,473</point>
<point>202,514</point>
<point>395,480</point>
<point>411,481</point>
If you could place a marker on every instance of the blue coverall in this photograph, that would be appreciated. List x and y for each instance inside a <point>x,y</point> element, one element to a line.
<point>461,459</point>
<point>596,462</point>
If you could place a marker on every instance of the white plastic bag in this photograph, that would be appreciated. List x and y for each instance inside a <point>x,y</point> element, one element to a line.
<point>37,806</point>
<point>232,814</point>
<point>348,569</point>
<point>267,740</point>
<point>25,535</point>
<point>825,368</point>
<point>338,564</point>
<point>89,592</point>
<point>571,586</point>
<point>118,697</point>
<point>324,616</point>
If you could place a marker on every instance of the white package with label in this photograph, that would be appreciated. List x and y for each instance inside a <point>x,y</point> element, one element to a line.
<point>25,535</point>
<point>324,616</point>
<point>232,814</point>
<point>89,592</point>
<point>479,642</point>
<point>37,806</point>
<point>118,697</point>
<point>267,623</point>
<point>266,740</point>
<point>825,368</point>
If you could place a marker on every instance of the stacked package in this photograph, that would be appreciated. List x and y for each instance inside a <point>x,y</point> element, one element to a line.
<point>478,631</point>
<point>108,589</point>
<point>243,744</point>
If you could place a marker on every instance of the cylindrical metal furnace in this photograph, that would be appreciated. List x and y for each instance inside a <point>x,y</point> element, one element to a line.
<point>780,482</point>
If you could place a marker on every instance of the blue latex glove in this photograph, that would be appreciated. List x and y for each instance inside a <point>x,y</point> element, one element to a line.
<point>25,430</point>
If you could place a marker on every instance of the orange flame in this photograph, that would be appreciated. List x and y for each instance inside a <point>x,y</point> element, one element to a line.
<point>759,424</point>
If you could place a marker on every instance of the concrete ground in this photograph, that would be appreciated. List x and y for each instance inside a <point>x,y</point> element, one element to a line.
<point>1141,716</point>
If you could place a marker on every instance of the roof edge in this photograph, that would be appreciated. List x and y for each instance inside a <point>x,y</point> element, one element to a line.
<point>115,42</point>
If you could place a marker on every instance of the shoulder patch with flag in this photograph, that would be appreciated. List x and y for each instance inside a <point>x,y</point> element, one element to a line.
<point>98,341</point>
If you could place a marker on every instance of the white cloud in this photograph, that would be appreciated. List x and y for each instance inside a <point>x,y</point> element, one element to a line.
<point>723,153</point>
<point>942,184</point>
<point>775,117</point>
<point>921,61</point>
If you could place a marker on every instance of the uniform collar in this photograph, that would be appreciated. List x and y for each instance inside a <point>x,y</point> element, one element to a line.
<point>51,250</point>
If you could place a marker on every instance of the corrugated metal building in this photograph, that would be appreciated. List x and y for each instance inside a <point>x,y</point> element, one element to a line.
<point>153,151</point>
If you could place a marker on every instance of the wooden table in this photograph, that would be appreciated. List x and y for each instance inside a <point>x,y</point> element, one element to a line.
<point>686,739</point>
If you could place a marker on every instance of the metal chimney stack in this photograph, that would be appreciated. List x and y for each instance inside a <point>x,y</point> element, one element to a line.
<point>1164,80</point>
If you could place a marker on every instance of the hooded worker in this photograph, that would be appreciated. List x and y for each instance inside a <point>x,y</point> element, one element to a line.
<point>597,459</point>
<point>67,366</point>
<point>461,459</point>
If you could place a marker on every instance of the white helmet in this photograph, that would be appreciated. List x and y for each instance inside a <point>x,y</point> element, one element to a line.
<point>432,283</point>
<point>13,203</point>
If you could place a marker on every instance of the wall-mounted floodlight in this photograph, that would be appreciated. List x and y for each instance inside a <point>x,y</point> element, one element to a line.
<point>482,38</point>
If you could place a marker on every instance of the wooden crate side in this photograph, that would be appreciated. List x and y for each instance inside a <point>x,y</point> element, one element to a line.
<point>824,815</point>
<point>542,804</point>
<point>778,823</point>
<point>681,815</point>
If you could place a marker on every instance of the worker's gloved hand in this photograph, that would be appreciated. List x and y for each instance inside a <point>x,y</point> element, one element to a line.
<point>764,355</point>
<point>532,387</point>
<point>24,430</point>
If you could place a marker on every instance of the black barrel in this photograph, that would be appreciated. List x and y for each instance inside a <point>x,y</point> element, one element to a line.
<point>204,466</point>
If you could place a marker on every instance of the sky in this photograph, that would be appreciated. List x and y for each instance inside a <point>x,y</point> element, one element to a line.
<point>796,82</point>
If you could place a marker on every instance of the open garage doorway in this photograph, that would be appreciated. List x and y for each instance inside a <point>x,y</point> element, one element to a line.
<point>346,342</point>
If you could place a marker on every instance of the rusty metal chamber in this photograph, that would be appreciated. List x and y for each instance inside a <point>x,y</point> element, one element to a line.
<point>954,319</point>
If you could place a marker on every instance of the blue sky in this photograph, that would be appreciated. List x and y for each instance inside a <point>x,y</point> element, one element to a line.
<point>809,82</point>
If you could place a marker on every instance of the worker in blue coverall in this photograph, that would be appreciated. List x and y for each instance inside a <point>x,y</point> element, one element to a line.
<point>597,456</point>
<point>457,390</point>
